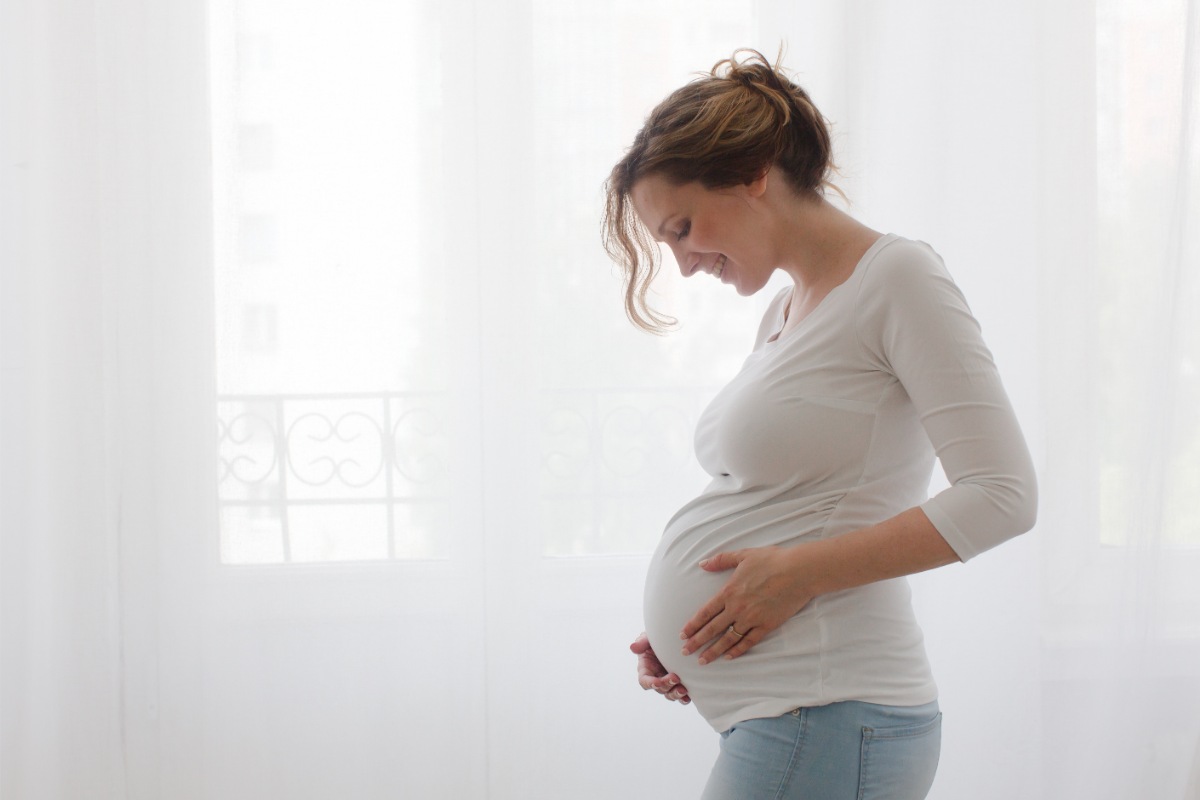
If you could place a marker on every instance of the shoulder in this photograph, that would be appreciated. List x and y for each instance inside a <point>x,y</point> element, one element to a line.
<point>901,263</point>
<point>906,299</point>
<point>905,274</point>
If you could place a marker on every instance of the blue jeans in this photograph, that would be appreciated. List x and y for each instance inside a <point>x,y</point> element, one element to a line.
<point>842,751</point>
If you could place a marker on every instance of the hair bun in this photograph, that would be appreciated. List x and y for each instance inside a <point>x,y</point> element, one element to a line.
<point>755,72</point>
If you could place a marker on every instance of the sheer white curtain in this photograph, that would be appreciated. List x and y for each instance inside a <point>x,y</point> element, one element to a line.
<point>107,396</point>
<point>1121,599</point>
<point>329,464</point>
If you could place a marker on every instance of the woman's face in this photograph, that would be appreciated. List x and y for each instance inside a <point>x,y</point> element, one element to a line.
<point>714,231</point>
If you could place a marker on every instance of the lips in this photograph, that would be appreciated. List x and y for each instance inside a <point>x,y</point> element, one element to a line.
<point>716,269</point>
<point>719,266</point>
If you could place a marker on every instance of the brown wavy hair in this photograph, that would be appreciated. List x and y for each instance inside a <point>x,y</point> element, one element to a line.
<point>723,129</point>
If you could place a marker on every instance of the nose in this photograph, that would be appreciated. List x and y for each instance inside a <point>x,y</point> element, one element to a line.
<point>681,257</point>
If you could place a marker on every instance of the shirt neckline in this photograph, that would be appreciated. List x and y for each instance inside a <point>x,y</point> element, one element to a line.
<point>780,335</point>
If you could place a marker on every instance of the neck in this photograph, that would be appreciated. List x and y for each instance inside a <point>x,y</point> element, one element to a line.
<point>818,245</point>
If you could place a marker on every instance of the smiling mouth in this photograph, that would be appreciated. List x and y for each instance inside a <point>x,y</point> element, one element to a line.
<point>719,266</point>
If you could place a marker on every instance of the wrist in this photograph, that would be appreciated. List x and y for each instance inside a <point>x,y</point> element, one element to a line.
<point>813,567</point>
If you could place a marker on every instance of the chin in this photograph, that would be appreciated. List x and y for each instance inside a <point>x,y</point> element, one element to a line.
<point>744,290</point>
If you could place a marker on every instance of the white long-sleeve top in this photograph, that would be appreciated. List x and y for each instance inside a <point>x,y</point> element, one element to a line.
<point>831,427</point>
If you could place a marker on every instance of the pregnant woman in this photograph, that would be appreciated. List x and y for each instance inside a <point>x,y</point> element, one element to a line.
<point>776,600</point>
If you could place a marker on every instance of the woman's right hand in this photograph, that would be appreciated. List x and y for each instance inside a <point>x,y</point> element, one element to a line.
<point>653,675</point>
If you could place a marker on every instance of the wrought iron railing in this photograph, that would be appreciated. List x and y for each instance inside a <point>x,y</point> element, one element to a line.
<point>335,477</point>
<point>284,458</point>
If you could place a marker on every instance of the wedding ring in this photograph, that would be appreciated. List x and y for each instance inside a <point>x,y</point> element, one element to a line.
<point>734,631</point>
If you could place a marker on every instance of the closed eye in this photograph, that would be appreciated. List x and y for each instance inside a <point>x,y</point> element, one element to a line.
<point>683,231</point>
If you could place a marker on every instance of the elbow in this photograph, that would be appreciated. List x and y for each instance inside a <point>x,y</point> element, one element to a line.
<point>975,515</point>
<point>1017,499</point>
<point>1012,503</point>
<point>1026,518</point>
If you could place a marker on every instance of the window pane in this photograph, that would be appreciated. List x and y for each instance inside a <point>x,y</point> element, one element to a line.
<point>329,297</point>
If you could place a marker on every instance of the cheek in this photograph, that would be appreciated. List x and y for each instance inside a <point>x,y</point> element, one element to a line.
<point>709,239</point>
<point>732,242</point>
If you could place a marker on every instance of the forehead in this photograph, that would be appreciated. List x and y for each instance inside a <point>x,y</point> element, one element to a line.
<point>656,199</point>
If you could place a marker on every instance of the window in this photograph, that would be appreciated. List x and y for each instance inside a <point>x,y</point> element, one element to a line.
<point>344,378</point>
<point>327,282</point>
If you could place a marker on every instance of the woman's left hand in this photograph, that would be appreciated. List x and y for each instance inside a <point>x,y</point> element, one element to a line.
<point>765,590</point>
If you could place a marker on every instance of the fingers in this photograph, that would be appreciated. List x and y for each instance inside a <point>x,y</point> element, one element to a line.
<point>707,616</point>
<point>652,674</point>
<point>656,681</point>
<point>650,668</point>
<point>673,690</point>
<point>722,561</point>
<point>723,644</point>
<point>716,627</point>
<point>730,645</point>
<point>752,638</point>
<point>663,684</point>
<point>704,618</point>
<point>668,686</point>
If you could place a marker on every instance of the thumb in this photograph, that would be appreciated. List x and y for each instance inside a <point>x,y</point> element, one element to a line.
<point>722,561</point>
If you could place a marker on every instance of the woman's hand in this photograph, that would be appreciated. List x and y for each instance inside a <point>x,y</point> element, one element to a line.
<point>766,589</point>
<point>771,584</point>
<point>652,674</point>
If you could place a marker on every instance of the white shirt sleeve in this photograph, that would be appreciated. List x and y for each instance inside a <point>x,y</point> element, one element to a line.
<point>914,323</point>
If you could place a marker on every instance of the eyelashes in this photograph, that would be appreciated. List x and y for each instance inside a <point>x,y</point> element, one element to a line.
<point>683,231</point>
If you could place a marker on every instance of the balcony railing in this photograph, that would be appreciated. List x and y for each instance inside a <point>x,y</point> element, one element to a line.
<point>364,477</point>
<point>331,477</point>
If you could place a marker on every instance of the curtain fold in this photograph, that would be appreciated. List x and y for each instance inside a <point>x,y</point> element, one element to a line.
<point>60,668</point>
<point>1119,626</point>
<point>106,391</point>
<point>1048,151</point>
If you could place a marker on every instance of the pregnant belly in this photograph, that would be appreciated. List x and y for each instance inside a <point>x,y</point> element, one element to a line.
<point>786,661</point>
<point>676,586</point>
<point>674,593</point>
<point>783,661</point>
<point>855,644</point>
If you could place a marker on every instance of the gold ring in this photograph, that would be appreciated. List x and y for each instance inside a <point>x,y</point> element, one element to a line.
<point>734,631</point>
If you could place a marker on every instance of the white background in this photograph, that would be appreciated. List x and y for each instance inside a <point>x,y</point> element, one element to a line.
<point>415,191</point>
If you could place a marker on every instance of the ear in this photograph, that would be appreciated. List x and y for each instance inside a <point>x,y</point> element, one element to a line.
<point>758,186</point>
